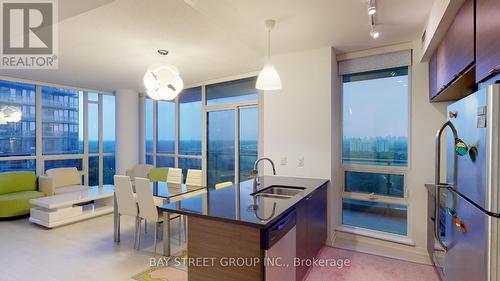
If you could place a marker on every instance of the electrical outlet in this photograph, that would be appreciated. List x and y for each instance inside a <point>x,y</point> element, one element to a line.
<point>301,162</point>
<point>283,161</point>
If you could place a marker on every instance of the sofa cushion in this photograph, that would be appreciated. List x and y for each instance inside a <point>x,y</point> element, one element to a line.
<point>65,176</point>
<point>17,203</point>
<point>17,181</point>
<point>70,188</point>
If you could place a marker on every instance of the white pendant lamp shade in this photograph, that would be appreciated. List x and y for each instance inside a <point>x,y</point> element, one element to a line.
<point>163,82</point>
<point>268,79</point>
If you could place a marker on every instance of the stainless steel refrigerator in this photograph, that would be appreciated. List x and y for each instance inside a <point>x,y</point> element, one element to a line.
<point>466,208</point>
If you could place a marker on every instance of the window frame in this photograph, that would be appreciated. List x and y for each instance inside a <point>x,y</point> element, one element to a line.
<point>369,168</point>
<point>258,103</point>
<point>39,157</point>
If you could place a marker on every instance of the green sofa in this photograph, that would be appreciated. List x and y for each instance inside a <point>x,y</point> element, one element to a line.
<point>16,190</point>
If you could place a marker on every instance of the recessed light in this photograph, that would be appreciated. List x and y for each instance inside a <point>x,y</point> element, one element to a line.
<point>162,52</point>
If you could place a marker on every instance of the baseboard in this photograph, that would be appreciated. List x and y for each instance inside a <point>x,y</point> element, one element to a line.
<point>377,247</point>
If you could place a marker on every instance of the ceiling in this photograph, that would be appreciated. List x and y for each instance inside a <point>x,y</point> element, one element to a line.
<point>107,45</point>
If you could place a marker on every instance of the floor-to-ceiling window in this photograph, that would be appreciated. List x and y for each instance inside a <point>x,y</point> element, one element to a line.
<point>60,113</point>
<point>375,115</point>
<point>173,131</point>
<point>218,123</point>
<point>190,130</point>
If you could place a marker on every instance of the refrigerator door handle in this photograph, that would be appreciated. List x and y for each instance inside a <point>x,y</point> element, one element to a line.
<point>437,179</point>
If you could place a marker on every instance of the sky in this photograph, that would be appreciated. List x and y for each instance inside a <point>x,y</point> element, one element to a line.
<point>376,107</point>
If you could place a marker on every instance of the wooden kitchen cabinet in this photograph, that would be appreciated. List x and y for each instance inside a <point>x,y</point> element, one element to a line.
<point>311,228</point>
<point>455,54</point>
<point>487,39</point>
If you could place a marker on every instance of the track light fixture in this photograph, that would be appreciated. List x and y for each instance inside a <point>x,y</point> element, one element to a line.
<point>372,9</point>
<point>374,33</point>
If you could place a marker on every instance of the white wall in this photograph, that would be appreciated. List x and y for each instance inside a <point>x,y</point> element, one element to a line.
<point>297,118</point>
<point>127,130</point>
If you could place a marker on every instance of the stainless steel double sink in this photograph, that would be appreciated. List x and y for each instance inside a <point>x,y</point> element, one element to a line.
<point>279,191</point>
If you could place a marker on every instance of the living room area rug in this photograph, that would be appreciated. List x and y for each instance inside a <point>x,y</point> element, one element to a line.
<point>171,268</point>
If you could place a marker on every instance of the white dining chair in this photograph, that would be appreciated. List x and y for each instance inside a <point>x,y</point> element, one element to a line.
<point>149,211</point>
<point>174,176</point>
<point>194,178</point>
<point>127,206</point>
<point>223,184</point>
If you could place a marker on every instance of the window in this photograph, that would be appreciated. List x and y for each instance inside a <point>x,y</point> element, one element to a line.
<point>249,141</point>
<point>109,138</point>
<point>236,91</point>
<point>149,127</point>
<point>376,216</point>
<point>101,139</point>
<point>62,116</point>
<point>18,138</point>
<point>189,163</point>
<point>375,115</point>
<point>190,122</point>
<point>63,163</point>
<point>93,125</point>
<point>232,131</point>
<point>93,170</point>
<point>61,135</point>
<point>220,147</point>
<point>179,139</point>
<point>17,165</point>
<point>166,127</point>
<point>164,161</point>
<point>376,183</point>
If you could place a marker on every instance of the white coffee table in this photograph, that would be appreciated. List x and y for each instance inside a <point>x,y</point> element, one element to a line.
<point>61,209</point>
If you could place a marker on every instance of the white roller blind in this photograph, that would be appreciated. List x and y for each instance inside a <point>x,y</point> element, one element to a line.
<point>375,62</point>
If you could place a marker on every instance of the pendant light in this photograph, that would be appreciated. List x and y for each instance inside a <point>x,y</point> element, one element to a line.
<point>268,79</point>
<point>163,81</point>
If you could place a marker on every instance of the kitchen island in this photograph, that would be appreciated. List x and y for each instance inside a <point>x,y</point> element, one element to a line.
<point>234,235</point>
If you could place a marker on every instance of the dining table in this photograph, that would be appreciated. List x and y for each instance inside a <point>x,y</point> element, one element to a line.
<point>168,193</point>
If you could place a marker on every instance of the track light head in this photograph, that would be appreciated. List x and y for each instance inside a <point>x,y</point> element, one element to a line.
<point>372,9</point>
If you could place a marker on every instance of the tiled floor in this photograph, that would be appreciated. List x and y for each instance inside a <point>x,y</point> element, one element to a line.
<point>365,267</point>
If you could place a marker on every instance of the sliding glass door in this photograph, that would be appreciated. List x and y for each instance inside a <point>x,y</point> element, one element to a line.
<point>232,144</point>
<point>220,147</point>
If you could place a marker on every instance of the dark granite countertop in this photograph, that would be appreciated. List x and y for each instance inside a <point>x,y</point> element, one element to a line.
<point>232,203</point>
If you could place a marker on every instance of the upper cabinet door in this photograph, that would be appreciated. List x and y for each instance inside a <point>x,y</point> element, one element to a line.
<point>433,82</point>
<point>456,52</point>
<point>487,39</point>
